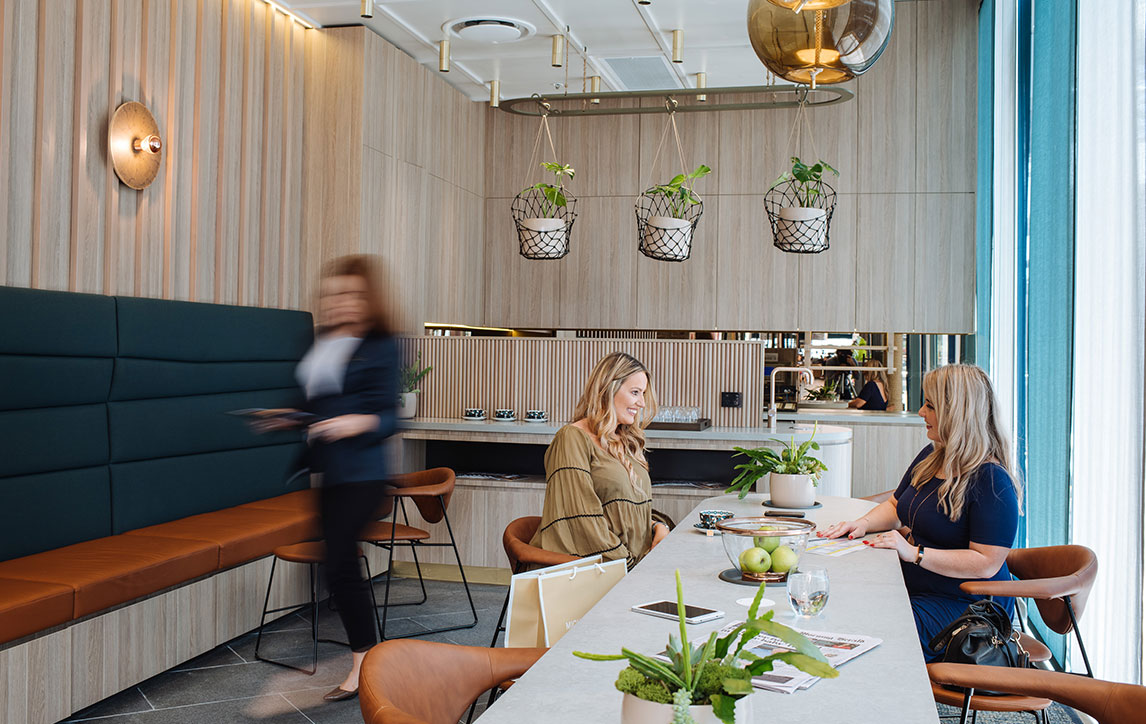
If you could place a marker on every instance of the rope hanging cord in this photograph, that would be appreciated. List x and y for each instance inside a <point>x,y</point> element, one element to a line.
<point>543,226</point>
<point>665,233</point>
<point>800,215</point>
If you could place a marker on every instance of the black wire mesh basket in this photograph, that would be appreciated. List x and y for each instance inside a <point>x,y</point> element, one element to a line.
<point>543,236</point>
<point>662,235</point>
<point>800,226</point>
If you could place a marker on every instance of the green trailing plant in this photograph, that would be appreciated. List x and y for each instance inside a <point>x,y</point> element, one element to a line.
<point>679,196</point>
<point>411,375</point>
<point>808,179</point>
<point>825,393</point>
<point>790,459</point>
<point>861,354</point>
<point>554,194</point>
<point>718,672</point>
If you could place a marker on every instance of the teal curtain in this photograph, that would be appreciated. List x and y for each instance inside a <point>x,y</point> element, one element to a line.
<point>979,344</point>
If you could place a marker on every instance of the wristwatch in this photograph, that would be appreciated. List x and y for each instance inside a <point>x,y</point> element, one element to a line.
<point>918,556</point>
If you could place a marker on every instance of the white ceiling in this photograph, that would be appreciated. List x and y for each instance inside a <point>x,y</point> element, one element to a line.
<point>715,39</point>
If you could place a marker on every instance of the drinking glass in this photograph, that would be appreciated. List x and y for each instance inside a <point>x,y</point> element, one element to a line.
<point>808,591</point>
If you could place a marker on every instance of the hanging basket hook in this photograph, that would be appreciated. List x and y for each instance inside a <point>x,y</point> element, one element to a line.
<point>670,104</point>
<point>542,104</point>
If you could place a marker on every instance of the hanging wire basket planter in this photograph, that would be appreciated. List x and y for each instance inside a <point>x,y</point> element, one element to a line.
<point>541,235</point>
<point>667,214</point>
<point>662,235</point>
<point>544,213</point>
<point>800,226</point>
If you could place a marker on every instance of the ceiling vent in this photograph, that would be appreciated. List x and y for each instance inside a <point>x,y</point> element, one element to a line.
<point>489,30</point>
<point>643,73</point>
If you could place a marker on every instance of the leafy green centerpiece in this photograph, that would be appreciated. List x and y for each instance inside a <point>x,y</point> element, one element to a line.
<point>716,673</point>
<point>553,194</point>
<point>790,459</point>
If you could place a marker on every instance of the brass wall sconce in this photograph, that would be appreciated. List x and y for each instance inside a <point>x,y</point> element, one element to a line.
<point>134,145</point>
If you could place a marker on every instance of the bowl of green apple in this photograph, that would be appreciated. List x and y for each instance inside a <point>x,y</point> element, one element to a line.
<point>765,549</point>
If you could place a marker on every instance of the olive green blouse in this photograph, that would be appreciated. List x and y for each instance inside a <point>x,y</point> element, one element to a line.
<point>591,505</point>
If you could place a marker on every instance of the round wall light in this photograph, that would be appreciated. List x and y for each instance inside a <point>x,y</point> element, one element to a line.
<point>134,145</point>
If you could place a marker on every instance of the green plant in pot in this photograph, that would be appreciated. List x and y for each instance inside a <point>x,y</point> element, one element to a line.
<point>408,378</point>
<point>677,198</point>
<point>708,682</point>
<point>825,393</point>
<point>807,187</point>
<point>553,199</point>
<point>794,473</point>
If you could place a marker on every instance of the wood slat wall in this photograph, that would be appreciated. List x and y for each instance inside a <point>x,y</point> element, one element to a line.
<point>222,220</point>
<point>549,374</point>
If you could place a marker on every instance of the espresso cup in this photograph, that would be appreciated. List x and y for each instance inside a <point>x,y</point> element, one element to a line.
<point>535,414</point>
<point>709,518</point>
<point>474,412</point>
<point>503,413</point>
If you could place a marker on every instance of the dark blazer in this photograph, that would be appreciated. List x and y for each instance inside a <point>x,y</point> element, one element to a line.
<point>369,388</point>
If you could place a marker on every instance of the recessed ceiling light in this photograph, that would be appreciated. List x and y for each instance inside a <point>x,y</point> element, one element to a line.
<point>486,29</point>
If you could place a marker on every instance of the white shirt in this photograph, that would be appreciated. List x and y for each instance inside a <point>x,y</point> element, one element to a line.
<point>323,369</point>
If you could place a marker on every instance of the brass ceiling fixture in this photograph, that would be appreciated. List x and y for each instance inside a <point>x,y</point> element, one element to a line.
<point>749,98</point>
<point>367,9</point>
<point>678,46</point>
<point>134,145</point>
<point>820,46</point>
<point>444,56</point>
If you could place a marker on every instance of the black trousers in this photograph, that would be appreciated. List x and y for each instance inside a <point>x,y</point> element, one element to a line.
<point>346,509</point>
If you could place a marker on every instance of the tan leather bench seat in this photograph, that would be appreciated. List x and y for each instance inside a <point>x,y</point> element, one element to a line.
<point>300,500</point>
<point>108,571</point>
<point>242,534</point>
<point>29,606</point>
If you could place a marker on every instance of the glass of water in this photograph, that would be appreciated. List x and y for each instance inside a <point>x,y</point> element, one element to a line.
<point>808,591</point>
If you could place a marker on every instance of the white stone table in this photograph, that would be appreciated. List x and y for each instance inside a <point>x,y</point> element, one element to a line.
<point>888,684</point>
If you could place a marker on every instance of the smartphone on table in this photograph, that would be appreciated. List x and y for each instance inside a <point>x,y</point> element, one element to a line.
<point>668,609</point>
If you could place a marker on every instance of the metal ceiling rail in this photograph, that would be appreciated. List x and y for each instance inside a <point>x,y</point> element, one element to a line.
<point>773,96</point>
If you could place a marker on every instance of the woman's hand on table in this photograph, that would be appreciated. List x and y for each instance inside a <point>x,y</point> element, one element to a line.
<point>660,532</point>
<point>893,539</point>
<point>343,426</point>
<point>851,528</point>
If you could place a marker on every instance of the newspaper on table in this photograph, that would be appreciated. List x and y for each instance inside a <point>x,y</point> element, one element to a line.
<point>784,678</point>
<point>834,548</point>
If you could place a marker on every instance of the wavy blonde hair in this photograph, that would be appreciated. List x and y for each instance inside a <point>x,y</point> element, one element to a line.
<point>596,407</point>
<point>970,435</point>
<point>878,375</point>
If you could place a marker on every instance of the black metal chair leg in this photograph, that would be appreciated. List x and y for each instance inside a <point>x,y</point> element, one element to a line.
<point>1078,636</point>
<point>414,553</point>
<point>313,616</point>
<point>461,568</point>
<point>266,603</point>
<point>312,604</point>
<point>389,576</point>
<point>966,705</point>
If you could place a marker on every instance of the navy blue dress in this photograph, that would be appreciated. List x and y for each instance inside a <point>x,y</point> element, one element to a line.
<point>872,398</point>
<point>990,517</point>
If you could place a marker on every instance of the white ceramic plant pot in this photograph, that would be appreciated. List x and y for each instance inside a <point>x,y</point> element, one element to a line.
<point>555,243</point>
<point>408,405</point>
<point>801,225</point>
<point>656,228</point>
<point>638,711</point>
<point>791,491</point>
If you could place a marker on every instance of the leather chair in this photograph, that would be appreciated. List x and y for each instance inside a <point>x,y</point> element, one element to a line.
<point>430,491</point>
<point>1107,702</point>
<point>423,682</point>
<point>1059,579</point>
<point>311,554</point>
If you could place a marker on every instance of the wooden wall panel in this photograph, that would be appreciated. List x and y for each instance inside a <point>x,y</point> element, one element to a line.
<point>828,280</point>
<point>675,295</point>
<point>548,374</point>
<point>946,103</point>
<point>885,261</point>
<point>198,66</point>
<point>885,101</point>
<point>944,262</point>
<point>35,680</point>
<point>758,284</point>
<point>599,283</point>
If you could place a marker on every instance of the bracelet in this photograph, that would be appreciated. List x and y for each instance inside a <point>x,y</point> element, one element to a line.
<point>918,555</point>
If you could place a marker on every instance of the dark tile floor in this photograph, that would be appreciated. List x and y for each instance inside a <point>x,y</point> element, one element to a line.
<point>228,684</point>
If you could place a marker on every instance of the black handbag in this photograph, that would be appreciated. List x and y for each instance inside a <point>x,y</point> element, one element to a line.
<point>983,635</point>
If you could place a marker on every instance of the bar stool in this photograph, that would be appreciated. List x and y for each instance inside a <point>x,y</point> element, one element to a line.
<point>311,553</point>
<point>429,490</point>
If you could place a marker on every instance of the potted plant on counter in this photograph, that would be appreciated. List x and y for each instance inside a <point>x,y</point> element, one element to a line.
<point>711,682</point>
<point>803,224</point>
<point>667,232</point>
<point>793,473</point>
<point>408,379</point>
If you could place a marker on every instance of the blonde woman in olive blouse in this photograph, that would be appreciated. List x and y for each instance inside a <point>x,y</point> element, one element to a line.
<point>598,496</point>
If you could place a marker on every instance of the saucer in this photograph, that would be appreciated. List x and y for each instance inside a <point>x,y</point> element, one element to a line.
<point>537,419</point>
<point>505,419</point>
<point>474,419</point>
<point>768,503</point>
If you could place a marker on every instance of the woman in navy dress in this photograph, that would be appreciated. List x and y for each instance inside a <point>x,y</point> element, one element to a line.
<point>955,514</point>
<point>873,396</point>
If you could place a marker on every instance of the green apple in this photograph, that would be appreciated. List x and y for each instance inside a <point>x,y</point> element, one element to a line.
<point>768,542</point>
<point>755,560</point>
<point>783,559</point>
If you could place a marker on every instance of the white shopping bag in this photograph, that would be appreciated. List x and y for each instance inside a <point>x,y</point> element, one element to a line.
<point>523,627</point>
<point>568,595</point>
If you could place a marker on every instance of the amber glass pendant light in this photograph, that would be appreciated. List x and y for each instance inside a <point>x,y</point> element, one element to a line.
<point>799,6</point>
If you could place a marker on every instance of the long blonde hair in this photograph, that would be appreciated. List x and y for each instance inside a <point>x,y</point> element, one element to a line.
<point>970,435</point>
<point>877,374</point>
<point>596,408</point>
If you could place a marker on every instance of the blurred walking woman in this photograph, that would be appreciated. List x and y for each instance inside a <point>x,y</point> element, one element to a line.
<point>598,496</point>
<point>958,503</point>
<point>350,377</point>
